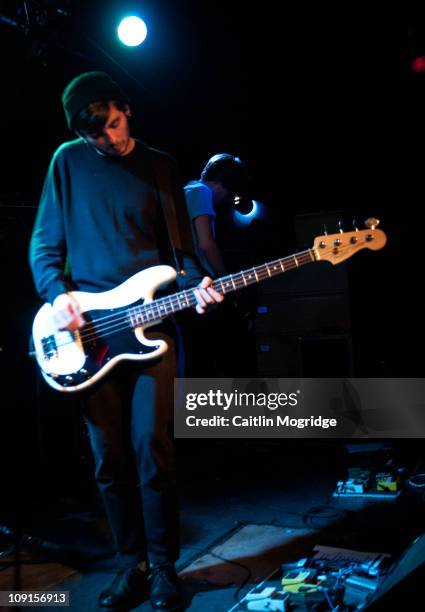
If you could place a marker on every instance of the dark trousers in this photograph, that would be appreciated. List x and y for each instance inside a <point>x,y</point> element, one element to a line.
<point>129,420</point>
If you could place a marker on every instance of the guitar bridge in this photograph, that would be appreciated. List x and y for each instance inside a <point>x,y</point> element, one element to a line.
<point>50,348</point>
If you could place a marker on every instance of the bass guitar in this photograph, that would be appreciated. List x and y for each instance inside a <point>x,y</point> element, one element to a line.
<point>116,319</point>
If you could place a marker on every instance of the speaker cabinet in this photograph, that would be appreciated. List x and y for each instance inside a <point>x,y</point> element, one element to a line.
<point>303,323</point>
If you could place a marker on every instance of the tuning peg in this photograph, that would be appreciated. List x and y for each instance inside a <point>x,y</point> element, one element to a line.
<point>371,223</point>
<point>341,229</point>
<point>354,222</point>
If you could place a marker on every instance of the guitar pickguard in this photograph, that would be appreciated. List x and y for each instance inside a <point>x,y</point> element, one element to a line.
<point>101,346</point>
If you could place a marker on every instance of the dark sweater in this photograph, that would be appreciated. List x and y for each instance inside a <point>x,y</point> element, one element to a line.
<point>100,219</point>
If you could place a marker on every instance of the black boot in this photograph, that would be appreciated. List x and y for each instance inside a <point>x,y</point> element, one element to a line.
<point>128,590</point>
<point>166,591</point>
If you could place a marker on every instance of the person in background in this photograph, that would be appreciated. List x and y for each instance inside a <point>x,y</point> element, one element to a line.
<point>211,202</point>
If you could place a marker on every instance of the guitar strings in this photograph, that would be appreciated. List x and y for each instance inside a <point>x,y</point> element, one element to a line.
<point>188,295</point>
<point>176,298</point>
<point>113,323</point>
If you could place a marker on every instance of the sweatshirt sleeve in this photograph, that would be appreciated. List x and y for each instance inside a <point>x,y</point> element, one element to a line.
<point>47,251</point>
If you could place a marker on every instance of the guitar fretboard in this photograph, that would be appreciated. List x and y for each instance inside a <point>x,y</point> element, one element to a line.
<point>163,307</point>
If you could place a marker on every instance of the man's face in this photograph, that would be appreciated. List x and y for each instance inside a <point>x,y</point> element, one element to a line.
<point>222,195</point>
<point>114,139</point>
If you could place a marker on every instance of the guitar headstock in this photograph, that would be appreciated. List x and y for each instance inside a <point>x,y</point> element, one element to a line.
<point>338,247</point>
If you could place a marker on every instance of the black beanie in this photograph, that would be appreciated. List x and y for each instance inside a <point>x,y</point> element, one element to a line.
<point>87,88</point>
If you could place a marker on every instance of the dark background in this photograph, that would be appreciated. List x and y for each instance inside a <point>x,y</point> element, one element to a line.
<point>310,97</point>
<point>306,96</point>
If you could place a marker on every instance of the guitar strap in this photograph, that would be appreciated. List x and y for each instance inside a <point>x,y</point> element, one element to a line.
<point>175,212</point>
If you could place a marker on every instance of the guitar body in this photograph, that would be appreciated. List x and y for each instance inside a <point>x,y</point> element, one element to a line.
<point>73,361</point>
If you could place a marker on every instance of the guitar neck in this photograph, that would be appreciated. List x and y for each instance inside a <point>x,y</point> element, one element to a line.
<point>242,279</point>
<point>163,307</point>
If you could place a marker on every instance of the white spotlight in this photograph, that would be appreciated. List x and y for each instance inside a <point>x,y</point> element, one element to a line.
<point>132,31</point>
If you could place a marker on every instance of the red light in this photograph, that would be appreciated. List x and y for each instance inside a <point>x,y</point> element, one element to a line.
<point>418,64</point>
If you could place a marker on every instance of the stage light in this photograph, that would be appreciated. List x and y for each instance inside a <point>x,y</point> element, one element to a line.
<point>418,64</point>
<point>244,206</point>
<point>132,31</point>
<point>247,210</point>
